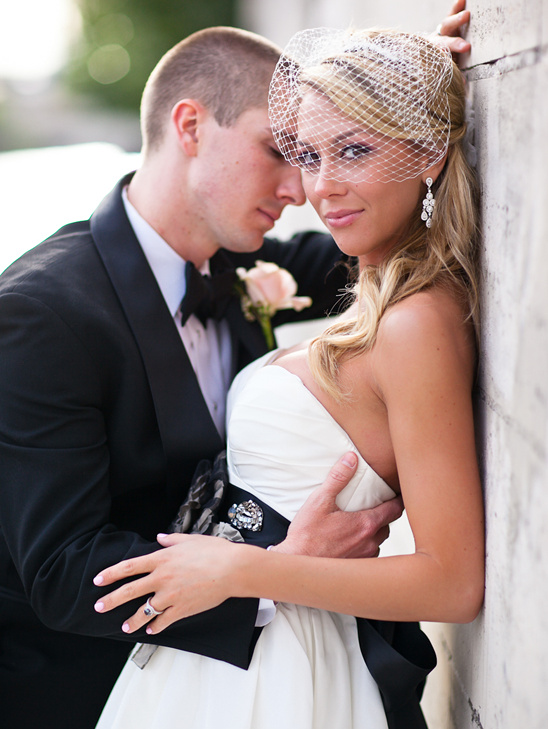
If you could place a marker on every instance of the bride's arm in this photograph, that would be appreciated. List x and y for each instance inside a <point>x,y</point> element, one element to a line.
<point>423,365</point>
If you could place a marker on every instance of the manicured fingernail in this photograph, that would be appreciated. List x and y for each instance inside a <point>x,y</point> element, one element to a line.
<point>349,460</point>
<point>149,631</point>
<point>159,536</point>
<point>125,627</point>
<point>99,606</point>
<point>461,45</point>
<point>98,580</point>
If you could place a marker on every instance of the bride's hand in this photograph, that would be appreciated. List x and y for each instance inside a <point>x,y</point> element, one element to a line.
<point>448,32</point>
<point>190,575</point>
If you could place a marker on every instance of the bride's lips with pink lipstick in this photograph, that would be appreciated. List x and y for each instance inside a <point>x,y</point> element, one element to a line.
<point>341,218</point>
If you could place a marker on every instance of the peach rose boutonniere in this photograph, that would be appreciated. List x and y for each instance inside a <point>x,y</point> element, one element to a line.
<point>264,290</point>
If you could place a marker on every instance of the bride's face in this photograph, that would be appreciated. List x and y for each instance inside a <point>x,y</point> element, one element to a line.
<point>366,218</point>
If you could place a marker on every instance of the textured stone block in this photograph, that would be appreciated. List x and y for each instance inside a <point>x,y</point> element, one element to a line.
<point>501,29</point>
<point>493,673</point>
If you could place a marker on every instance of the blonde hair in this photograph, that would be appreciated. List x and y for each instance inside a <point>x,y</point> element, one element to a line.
<point>444,254</point>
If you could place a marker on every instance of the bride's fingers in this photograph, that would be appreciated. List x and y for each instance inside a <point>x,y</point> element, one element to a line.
<point>126,593</point>
<point>140,619</point>
<point>453,23</point>
<point>127,568</point>
<point>158,623</point>
<point>162,622</point>
<point>457,6</point>
<point>143,565</point>
<point>169,540</point>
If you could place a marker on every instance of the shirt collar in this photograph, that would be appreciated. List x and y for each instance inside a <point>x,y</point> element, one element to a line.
<point>167,266</point>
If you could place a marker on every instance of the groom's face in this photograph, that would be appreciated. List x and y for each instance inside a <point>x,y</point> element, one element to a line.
<point>243,181</point>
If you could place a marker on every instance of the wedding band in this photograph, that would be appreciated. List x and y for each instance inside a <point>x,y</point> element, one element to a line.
<point>151,612</point>
<point>438,30</point>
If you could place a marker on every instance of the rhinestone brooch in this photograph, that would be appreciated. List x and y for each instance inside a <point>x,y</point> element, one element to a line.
<point>247,515</point>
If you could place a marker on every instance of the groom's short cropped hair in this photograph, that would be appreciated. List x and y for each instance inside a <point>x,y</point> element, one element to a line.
<point>228,70</point>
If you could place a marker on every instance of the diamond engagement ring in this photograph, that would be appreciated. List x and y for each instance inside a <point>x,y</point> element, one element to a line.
<point>151,612</point>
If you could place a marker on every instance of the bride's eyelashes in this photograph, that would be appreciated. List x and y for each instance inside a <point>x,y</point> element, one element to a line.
<point>310,160</point>
<point>354,152</point>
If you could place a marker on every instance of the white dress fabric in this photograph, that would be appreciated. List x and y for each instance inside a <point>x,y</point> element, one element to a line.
<point>307,671</point>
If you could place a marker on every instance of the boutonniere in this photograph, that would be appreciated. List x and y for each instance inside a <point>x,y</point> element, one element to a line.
<point>264,290</point>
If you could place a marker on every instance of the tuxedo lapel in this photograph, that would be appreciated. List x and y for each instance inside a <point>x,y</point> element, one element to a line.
<point>184,421</point>
<point>248,341</point>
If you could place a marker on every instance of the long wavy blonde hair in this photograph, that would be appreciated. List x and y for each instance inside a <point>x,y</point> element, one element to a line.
<point>442,255</point>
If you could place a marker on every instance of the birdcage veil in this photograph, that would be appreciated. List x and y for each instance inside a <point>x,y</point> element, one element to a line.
<point>361,105</point>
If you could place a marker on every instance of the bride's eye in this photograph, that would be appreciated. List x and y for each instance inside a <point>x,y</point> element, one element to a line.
<point>308,159</point>
<point>353,152</point>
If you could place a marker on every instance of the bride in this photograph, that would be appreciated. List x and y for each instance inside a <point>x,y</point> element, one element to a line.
<point>375,119</point>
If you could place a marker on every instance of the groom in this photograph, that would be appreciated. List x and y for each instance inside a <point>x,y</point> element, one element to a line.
<point>111,395</point>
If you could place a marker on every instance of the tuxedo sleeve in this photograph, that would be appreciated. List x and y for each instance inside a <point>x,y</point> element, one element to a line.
<point>55,497</point>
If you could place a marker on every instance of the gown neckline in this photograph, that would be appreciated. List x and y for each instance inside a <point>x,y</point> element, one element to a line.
<point>325,411</point>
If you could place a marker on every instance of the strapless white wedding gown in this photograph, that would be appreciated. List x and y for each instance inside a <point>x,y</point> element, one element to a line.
<point>307,671</point>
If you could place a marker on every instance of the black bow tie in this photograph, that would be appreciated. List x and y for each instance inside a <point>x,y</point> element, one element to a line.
<point>207,296</point>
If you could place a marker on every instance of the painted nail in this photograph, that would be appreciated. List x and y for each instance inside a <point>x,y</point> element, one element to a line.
<point>125,627</point>
<point>98,580</point>
<point>149,631</point>
<point>99,606</point>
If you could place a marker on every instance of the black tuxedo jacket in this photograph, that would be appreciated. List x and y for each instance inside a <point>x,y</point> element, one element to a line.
<point>102,423</point>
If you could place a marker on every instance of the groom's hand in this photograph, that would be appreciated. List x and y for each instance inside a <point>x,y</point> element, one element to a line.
<point>321,529</point>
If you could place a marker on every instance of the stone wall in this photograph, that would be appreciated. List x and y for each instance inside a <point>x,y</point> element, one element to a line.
<point>492,673</point>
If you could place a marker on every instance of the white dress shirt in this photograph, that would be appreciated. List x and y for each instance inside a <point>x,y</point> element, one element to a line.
<point>209,348</point>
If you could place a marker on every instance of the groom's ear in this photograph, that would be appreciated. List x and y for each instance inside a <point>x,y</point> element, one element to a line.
<point>186,117</point>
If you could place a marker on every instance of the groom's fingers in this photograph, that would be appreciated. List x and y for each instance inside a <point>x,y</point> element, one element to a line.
<point>314,520</point>
<point>380,518</point>
<point>359,534</point>
<point>338,477</point>
<point>321,529</point>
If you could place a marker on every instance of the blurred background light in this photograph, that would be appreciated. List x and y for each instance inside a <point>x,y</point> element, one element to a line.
<point>35,37</point>
<point>109,64</point>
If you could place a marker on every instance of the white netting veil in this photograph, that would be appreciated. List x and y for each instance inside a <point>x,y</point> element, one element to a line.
<point>361,105</point>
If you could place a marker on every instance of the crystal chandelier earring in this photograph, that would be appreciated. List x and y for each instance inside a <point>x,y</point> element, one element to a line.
<point>428,204</point>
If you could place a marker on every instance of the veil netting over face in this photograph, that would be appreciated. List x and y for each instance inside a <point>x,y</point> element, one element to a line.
<point>386,89</point>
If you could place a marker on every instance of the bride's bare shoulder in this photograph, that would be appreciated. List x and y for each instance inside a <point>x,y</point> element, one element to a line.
<point>430,323</point>
<point>436,309</point>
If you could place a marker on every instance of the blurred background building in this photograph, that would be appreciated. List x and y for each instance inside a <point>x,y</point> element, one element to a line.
<point>71,74</point>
